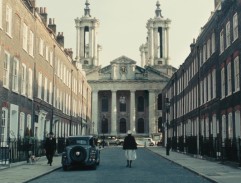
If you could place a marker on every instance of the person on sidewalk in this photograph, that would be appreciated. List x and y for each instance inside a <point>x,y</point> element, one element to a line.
<point>130,147</point>
<point>50,147</point>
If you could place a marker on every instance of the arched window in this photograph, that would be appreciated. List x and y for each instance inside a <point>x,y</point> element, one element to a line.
<point>104,125</point>
<point>140,104</point>
<point>122,125</point>
<point>122,104</point>
<point>140,125</point>
<point>159,102</point>
<point>104,104</point>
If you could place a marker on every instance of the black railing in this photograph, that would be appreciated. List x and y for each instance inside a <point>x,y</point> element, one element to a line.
<point>20,150</point>
<point>213,147</point>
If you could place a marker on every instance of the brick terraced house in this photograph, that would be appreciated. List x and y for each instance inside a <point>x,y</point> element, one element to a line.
<point>42,88</point>
<point>204,93</point>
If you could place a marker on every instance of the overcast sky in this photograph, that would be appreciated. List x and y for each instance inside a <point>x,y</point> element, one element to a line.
<point>123,24</point>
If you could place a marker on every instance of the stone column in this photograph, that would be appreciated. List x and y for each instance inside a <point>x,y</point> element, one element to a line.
<point>167,45</point>
<point>133,112</point>
<point>95,111</point>
<point>156,41</point>
<point>82,46</point>
<point>95,45</point>
<point>77,41</point>
<point>151,45</point>
<point>152,107</point>
<point>91,42</point>
<point>113,112</point>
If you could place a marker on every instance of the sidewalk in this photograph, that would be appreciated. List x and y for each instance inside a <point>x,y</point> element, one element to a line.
<point>214,171</point>
<point>23,172</point>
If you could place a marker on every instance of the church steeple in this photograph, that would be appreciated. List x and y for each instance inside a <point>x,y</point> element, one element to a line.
<point>156,50</point>
<point>87,9</point>
<point>158,10</point>
<point>87,49</point>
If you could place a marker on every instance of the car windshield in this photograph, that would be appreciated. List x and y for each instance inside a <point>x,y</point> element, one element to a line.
<point>76,141</point>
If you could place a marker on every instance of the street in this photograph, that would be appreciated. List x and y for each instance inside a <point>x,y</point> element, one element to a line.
<point>148,167</point>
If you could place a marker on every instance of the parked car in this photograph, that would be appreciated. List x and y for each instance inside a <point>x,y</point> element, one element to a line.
<point>145,142</point>
<point>80,151</point>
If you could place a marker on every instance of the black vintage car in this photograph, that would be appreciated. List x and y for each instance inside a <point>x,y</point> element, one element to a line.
<point>80,151</point>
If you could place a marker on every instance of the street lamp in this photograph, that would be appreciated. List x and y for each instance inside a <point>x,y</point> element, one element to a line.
<point>167,107</point>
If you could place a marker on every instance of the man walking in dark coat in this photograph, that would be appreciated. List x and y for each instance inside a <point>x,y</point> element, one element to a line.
<point>50,147</point>
<point>130,147</point>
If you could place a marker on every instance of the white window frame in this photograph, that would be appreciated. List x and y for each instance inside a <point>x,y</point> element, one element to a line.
<point>50,92</point>
<point>223,82</point>
<point>4,127</point>
<point>9,20</point>
<point>236,74</point>
<point>15,75</point>
<point>221,41</point>
<point>229,74</point>
<point>51,58</point>
<point>214,83</point>
<point>29,122</point>
<point>224,130</point>
<point>23,80</point>
<point>40,81</point>
<point>205,90</point>
<point>41,46</point>
<point>6,70</point>
<point>209,87</point>
<point>30,83</point>
<point>213,43</point>
<point>45,89</point>
<point>235,26</point>
<point>47,53</point>
<point>228,35</point>
<point>208,48</point>
<point>21,124</point>
<point>31,43</point>
<point>237,124</point>
<point>230,125</point>
<point>204,53</point>
<point>25,37</point>
<point>214,120</point>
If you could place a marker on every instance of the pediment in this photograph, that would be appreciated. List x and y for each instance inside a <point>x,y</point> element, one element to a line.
<point>123,60</point>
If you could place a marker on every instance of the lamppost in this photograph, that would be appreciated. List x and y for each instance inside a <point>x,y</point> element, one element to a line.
<point>167,107</point>
<point>93,127</point>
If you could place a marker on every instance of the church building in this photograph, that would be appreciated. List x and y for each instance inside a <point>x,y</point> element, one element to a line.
<point>126,96</point>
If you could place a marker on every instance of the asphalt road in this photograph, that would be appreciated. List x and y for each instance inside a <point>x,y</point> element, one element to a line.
<point>147,168</point>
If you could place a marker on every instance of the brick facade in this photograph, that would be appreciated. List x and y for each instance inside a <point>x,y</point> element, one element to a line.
<point>45,90</point>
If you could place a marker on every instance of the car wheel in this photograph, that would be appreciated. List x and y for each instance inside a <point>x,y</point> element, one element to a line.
<point>78,154</point>
<point>65,167</point>
<point>94,166</point>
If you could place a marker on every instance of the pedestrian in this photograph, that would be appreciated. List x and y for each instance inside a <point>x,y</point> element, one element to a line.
<point>130,147</point>
<point>50,147</point>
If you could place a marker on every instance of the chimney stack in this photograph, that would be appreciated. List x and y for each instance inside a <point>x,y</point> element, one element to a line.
<point>217,3</point>
<point>60,39</point>
<point>192,45</point>
<point>44,15</point>
<point>69,52</point>
<point>52,25</point>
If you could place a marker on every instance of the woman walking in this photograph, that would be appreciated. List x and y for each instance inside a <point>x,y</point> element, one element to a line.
<point>130,147</point>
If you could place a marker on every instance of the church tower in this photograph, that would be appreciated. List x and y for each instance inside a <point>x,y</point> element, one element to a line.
<point>87,49</point>
<point>156,50</point>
